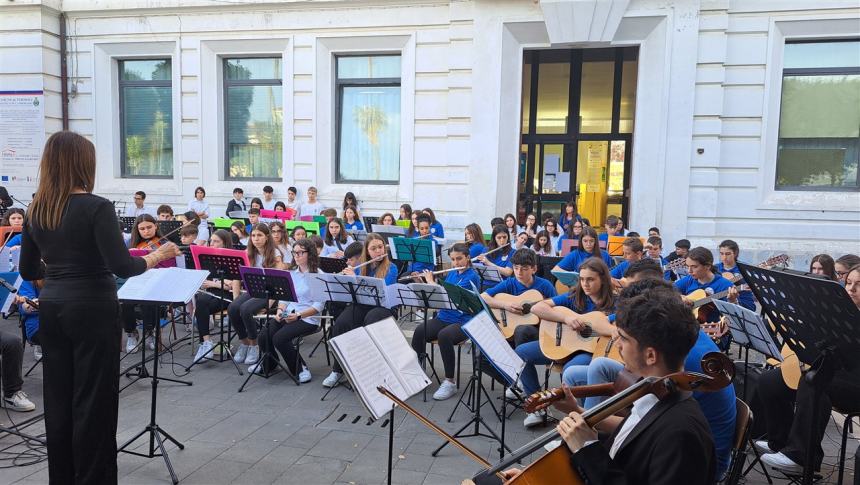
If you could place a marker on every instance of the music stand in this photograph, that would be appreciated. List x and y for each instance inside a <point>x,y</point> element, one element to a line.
<point>469,303</point>
<point>489,276</point>
<point>414,250</point>
<point>332,265</point>
<point>170,226</point>
<point>359,235</point>
<point>369,221</point>
<point>270,284</point>
<point>222,264</point>
<point>817,320</point>
<point>545,266</point>
<point>127,223</point>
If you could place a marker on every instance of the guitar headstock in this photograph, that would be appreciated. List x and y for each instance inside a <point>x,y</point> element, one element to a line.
<point>675,264</point>
<point>542,399</point>
<point>779,260</point>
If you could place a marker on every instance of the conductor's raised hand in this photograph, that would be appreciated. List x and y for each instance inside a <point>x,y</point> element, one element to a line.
<point>167,251</point>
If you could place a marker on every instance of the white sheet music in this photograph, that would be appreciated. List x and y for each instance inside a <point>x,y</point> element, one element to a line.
<point>744,323</point>
<point>339,287</point>
<point>488,274</point>
<point>484,332</point>
<point>10,298</point>
<point>389,229</point>
<point>163,285</point>
<point>399,355</point>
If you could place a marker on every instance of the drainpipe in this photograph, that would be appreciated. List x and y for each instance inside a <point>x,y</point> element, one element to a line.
<point>64,73</point>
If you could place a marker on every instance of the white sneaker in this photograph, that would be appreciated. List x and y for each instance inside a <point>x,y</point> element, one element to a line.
<point>763,447</point>
<point>332,380</point>
<point>781,462</point>
<point>131,343</point>
<point>150,342</point>
<point>37,352</point>
<point>533,419</point>
<point>203,350</point>
<point>445,391</point>
<point>253,355</point>
<point>256,368</point>
<point>304,375</point>
<point>241,354</point>
<point>511,394</point>
<point>18,402</point>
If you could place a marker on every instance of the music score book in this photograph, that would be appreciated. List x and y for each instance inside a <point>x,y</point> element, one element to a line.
<point>379,355</point>
<point>174,285</point>
<point>482,330</point>
<point>567,278</point>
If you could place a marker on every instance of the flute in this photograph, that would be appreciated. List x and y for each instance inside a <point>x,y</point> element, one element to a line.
<point>490,252</point>
<point>214,296</point>
<point>419,275</point>
<point>378,258</point>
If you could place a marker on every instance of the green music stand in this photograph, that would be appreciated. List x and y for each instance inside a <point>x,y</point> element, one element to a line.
<point>415,250</point>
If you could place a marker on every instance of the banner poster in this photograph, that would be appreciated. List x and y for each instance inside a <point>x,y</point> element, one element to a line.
<point>22,136</point>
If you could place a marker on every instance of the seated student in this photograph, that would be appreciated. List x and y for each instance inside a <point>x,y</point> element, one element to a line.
<point>662,441</point>
<point>843,264</point>
<point>29,290</point>
<point>569,215</point>
<point>256,203</point>
<point>588,248</point>
<point>268,197</point>
<point>386,219</point>
<point>298,234</point>
<point>330,214</point>
<point>416,267</point>
<point>139,207</point>
<point>632,250</point>
<point>654,250</point>
<point>703,275</point>
<point>253,218</point>
<point>11,359</point>
<point>531,227</point>
<point>349,199</point>
<point>145,234</point>
<point>293,319</point>
<point>240,230</point>
<point>511,225</point>
<point>262,253</point>
<point>496,221</point>
<point>499,259</point>
<point>13,217</point>
<point>351,219</point>
<point>311,207</point>
<point>574,230</point>
<point>165,212</point>
<point>475,240</point>
<point>653,231</point>
<point>280,206</point>
<point>682,247</point>
<point>237,203</point>
<point>215,299</point>
<point>521,241</point>
<point>292,201</point>
<point>524,264</point>
<point>789,414</point>
<point>729,251</point>
<point>435,226</point>
<point>718,407</point>
<point>353,316</point>
<point>823,264</point>
<point>551,227</point>
<point>593,292</point>
<point>188,235</point>
<point>613,226</point>
<point>446,326</point>
<point>543,244</point>
<point>405,212</point>
<point>279,237</point>
<point>336,240</point>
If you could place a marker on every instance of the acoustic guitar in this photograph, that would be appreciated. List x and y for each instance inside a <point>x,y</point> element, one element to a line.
<point>558,341</point>
<point>508,321</point>
<point>791,368</point>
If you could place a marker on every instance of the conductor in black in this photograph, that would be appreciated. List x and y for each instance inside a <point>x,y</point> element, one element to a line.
<point>72,241</point>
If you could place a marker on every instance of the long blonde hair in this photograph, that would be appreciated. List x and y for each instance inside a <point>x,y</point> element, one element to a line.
<point>68,164</point>
<point>382,266</point>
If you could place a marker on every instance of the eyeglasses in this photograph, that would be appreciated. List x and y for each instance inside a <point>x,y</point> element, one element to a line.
<point>841,273</point>
<point>299,253</point>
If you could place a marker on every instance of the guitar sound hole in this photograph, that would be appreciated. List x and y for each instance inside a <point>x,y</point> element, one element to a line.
<point>586,332</point>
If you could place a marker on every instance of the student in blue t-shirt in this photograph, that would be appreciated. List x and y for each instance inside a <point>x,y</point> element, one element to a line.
<point>614,227</point>
<point>475,240</point>
<point>588,247</point>
<point>416,267</point>
<point>446,327</point>
<point>499,259</point>
<point>633,251</point>
<point>729,251</point>
<point>568,216</point>
<point>654,250</point>
<point>435,226</point>
<point>592,293</point>
<point>574,230</point>
<point>525,264</point>
<point>351,219</point>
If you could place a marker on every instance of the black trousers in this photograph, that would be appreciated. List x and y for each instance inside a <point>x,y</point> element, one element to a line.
<point>354,316</point>
<point>788,413</point>
<point>447,336</point>
<point>524,334</point>
<point>148,313</point>
<point>241,312</point>
<point>204,307</point>
<point>281,335</point>
<point>11,357</point>
<point>81,387</point>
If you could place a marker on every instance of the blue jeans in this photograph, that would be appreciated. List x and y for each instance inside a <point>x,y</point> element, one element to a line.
<point>530,352</point>
<point>600,371</point>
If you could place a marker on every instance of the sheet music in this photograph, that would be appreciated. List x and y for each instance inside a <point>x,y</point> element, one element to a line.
<point>487,274</point>
<point>484,332</point>
<point>163,285</point>
<point>367,368</point>
<point>748,329</point>
<point>9,259</point>
<point>399,355</point>
<point>568,278</point>
<point>339,287</point>
<point>14,279</point>
<point>389,229</point>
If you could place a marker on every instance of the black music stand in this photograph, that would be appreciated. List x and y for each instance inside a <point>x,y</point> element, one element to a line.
<point>489,276</point>
<point>152,428</point>
<point>139,371</point>
<point>369,221</point>
<point>817,320</point>
<point>270,284</point>
<point>127,223</point>
<point>221,267</point>
<point>169,227</point>
<point>470,303</point>
<point>545,266</point>
<point>332,265</point>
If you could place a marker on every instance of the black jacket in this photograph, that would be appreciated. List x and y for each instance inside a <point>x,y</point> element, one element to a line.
<point>235,206</point>
<point>671,445</point>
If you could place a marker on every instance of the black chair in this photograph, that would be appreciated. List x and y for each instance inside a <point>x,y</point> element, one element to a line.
<point>743,424</point>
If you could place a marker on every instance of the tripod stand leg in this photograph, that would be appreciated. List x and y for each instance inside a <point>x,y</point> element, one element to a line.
<point>156,433</point>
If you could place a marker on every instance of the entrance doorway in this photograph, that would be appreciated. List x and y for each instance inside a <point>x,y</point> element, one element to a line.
<point>587,160</point>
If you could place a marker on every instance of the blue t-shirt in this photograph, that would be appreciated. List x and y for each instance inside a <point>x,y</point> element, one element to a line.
<point>688,284</point>
<point>564,222</point>
<point>390,277</point>
<point>476,248</point>
<point>501,258</point>
<point>464,280</point>
<point>355,226</point>
<point>566,300</point>
<point>746,298</point>
<point>436,230</point>
<point>618,271</point>
<point>718,407</point>
<point>31,320</point>
<point>572,261</point>
<point>15,241</point>
<point>512,286</point>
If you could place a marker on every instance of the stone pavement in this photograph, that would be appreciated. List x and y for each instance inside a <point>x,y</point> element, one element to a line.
<point>277,432</point>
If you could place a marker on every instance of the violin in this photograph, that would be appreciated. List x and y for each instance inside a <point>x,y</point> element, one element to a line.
<point>153,244</point>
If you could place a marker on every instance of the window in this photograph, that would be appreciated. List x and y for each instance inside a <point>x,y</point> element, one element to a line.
<point>146,118</point>
<point>819,123</point>
<point>368,119</point>
<point>254,107</point>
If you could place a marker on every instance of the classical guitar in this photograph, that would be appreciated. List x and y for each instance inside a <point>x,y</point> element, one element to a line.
<point>558,341</point>
<point>509,321</point>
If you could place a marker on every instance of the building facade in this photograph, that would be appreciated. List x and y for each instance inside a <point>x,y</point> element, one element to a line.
<point>710,119</point>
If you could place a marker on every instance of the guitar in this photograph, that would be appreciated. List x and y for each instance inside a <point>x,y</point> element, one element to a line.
<point>558,341</point>
<point>791,368</point>
<point>508,321</point>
